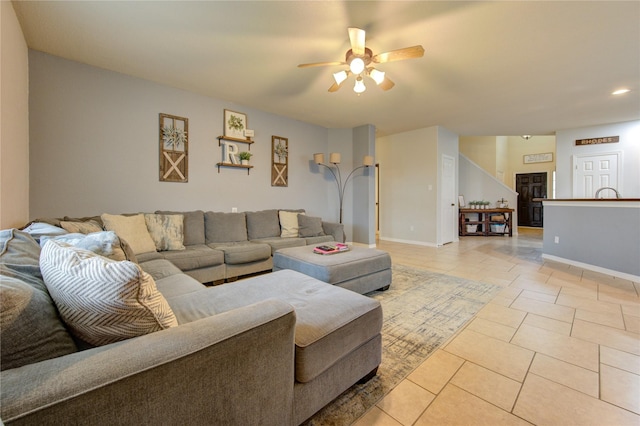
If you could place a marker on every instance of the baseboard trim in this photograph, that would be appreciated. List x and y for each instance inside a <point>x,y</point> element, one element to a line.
<point>617,274</point>
<point>417,243</point>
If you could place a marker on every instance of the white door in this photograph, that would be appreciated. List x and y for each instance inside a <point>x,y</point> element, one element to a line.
<point>592,172</point>
<point>448,199</point>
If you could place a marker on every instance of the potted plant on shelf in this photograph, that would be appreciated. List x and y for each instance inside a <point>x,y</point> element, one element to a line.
<point>244,157</point>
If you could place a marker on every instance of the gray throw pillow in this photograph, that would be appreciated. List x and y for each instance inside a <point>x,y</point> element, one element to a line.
<point>309,226</point>
<point>30,326</point>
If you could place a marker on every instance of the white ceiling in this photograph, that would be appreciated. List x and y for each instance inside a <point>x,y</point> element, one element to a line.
<point>489,68</point>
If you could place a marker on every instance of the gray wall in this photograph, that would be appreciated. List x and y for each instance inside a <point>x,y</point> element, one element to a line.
<point>599,235</point>
<point>94,148</point>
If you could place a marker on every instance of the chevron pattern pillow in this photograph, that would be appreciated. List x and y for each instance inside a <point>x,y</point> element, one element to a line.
<point>101,300</point>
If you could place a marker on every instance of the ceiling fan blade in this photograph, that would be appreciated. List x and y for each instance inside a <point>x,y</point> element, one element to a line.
<point>386,84</point>
<point>357,36</point>
<point>399,55</point>
<point>321,64</point>
<point>334,87</point>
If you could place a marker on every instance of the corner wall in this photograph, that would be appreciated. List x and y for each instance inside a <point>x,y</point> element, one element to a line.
<point>14,121</point>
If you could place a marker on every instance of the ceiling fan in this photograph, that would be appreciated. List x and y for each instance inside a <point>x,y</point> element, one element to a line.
<point>360,60</point>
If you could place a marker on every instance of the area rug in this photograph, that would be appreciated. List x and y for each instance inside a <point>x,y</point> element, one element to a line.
<point>422,309</point>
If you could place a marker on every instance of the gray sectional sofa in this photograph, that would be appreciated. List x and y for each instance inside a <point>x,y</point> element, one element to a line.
<point>270,350</point>
<point>223,246</point>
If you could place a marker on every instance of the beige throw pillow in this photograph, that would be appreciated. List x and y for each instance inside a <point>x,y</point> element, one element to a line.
<point>133,229</point>
<point>166,230</point>
<point>101,300</point>
<point>87,227</point>
<point>288,224</point>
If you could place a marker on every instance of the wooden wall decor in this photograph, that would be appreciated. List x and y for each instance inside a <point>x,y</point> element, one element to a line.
<point>174,148</point>
<point>279,161</point>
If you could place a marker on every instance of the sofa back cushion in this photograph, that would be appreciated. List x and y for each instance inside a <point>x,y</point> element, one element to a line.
<point>193,227</point>
<point>29,322</point>
<point>225,227</point>
<point>263,224</point>
<point>101,300</point>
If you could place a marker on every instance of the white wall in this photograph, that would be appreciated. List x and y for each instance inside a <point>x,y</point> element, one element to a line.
<point>94,148</point>
<point>629,145</point>
<point>408,168</point>
<point>14,121</point>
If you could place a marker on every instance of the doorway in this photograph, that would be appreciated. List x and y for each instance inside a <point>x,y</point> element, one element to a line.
<point>530,186</point>
<point>591,172</point>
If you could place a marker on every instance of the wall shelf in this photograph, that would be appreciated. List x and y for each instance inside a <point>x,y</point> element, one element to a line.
<point>248,141</point>
<point>237,166</point>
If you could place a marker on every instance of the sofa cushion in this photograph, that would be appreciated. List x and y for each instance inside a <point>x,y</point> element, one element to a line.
<point>240,253</point>
<point>318,240</point>
<point>193,229</point>
<point>81,227</point>
<point>225,227</point>
<point>166,230</point>
<point>288,223</point>
<point>331,322</point>
<point>263,224</point>
<point>309,226</point>
<point>279,243</point>
<point>133,229</point>
<point>101,300</point>
<point>30,326</point>
<point>194,257</point>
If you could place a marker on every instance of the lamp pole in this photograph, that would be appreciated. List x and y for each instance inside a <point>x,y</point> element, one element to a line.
<point>335,160</point>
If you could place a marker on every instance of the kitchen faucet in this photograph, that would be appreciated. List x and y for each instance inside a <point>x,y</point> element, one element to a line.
<point>607,187</point>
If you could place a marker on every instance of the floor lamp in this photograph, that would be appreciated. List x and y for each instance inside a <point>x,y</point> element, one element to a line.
<point>334,159</point>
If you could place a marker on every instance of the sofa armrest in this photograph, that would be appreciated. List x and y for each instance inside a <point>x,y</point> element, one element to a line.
<point>232,368</point>
<point>334,229</point>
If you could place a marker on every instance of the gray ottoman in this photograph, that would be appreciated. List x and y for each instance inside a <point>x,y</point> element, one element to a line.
<point>362,270</point>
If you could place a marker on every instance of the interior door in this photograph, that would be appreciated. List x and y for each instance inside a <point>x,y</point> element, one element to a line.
<point>592,172</point>
<point>448,199</point>
<point>528,187</point>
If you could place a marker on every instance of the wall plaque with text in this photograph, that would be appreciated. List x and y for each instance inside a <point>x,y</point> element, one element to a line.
<point>597,141</point>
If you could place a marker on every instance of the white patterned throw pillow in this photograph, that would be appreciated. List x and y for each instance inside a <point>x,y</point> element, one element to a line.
<point>166,230</point>
<point>101,300</point>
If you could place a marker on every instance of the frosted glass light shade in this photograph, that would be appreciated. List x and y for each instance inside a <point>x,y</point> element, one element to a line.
<point>377,76</point>
<point>318,158</point>
<point>356,65</point>
<point>359,87</point>
<point>340,76</point>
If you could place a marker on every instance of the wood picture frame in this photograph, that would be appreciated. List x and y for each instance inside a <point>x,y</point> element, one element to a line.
<point>235,123</point>
<point>279,161</point>
<point>174,148</point>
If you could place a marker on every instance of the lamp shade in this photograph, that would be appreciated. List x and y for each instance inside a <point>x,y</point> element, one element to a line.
<point>377,76</point>
<point>340,76</point>
<point>356,66</point>
<point>367,161</point>
<point>359,87</point>
<point>318,158</point>
<point>334,158</point>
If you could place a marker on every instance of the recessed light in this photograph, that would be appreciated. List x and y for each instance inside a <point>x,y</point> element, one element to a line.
<point>620,91</point>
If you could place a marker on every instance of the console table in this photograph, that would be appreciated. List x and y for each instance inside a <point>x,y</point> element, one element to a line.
<point>488,222</point>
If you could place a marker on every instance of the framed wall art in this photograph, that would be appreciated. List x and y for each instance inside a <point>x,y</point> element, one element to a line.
<point>279,161</point>
<point>174,148</point>
<point>538,158</point>
<point>235,124</point>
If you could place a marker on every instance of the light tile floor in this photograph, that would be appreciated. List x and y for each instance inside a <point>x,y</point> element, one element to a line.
<point>558,345</point>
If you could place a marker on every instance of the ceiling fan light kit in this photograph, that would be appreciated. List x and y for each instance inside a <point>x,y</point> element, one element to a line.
<point>359,58</point>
